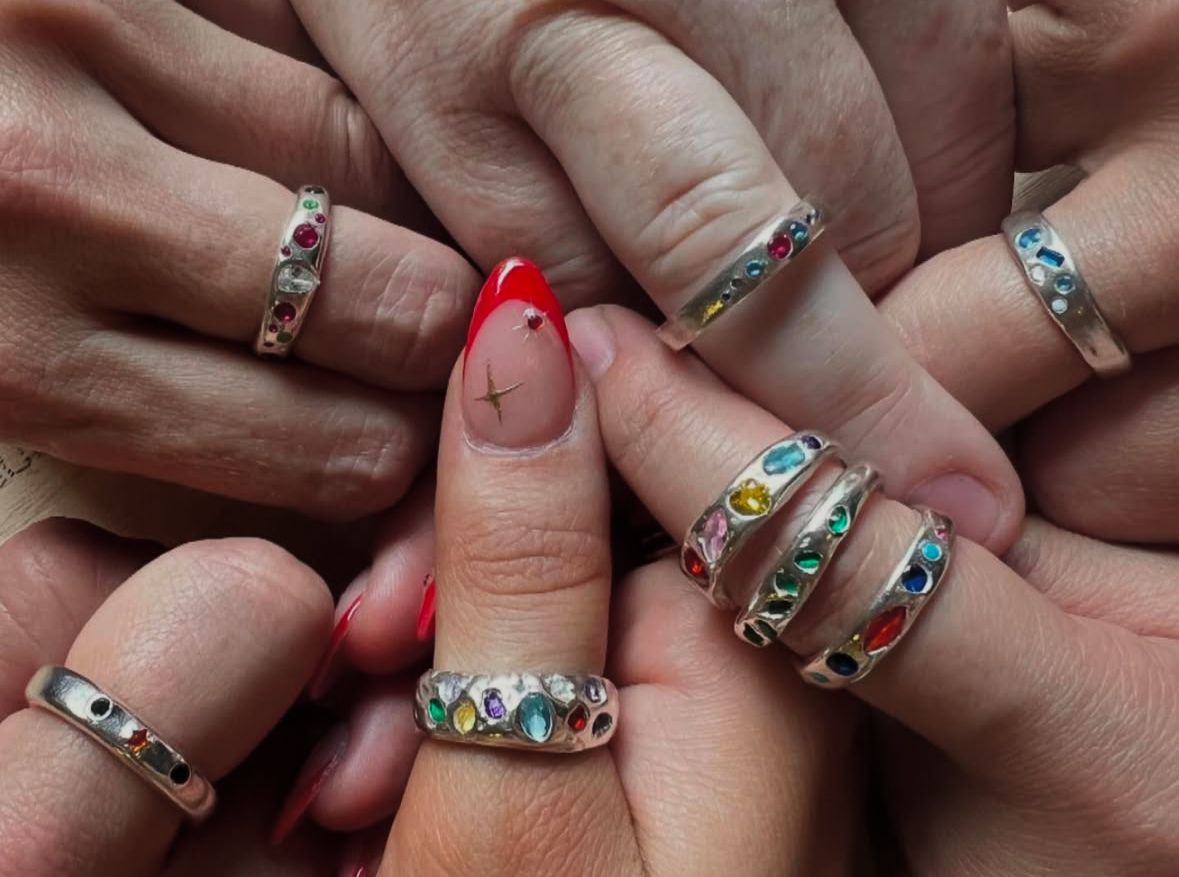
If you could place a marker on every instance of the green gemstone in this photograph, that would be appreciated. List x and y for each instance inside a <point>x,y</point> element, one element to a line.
<point>437,711</point>
<point>310,204</point>
<point>808,561</point>
<point>784,583</point>
<point>839,520</point>
<point>753,636</point>
<point>285,338</point>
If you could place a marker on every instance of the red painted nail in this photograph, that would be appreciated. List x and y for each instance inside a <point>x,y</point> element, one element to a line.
<point>325,674</point>
<point>517,279</point>
<point>320,766</point>
<point>425,628</point>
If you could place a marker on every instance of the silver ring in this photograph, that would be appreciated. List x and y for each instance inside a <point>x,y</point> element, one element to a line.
<point>297,272</point>
<point>1053,274</point>
<point>892,613</point>
<point>550,712</point>
<point>774,247</point>
<point>785,589</point>
<point>79,702</point>
<point>751,499</point>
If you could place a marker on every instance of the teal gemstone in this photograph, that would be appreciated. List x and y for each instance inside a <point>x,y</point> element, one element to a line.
<point>1065,284</point>
<point>755,269</point>
<point>799,232</point>
<point>534,715</point>
<point>784,583</point>
<point>1029,238</point>
<point>808,561</point>
<point>820,678</point>
<point>839,520</point>
<point>932,552</point>
<point>783,458</point>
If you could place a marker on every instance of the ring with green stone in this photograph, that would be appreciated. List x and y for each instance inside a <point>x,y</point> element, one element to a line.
<point>792,579</point>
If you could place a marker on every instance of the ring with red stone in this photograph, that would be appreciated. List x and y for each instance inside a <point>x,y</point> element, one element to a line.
<point>297,272</point>
<point>791,581</point>
<point>892,613</point>
<point>79,702</point>
<point>550,712</point>
<point>772,249</point>
<point>751,499</point>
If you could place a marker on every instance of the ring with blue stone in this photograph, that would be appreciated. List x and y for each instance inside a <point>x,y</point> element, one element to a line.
<point>549,712</point>
<point>772,249</point>
<point>904,595</point>
<point>747,503</point>
<point>792,579</point>
<point>1053,274</point>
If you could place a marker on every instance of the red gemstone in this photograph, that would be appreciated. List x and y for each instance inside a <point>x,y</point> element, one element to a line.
<point>781,246</point>
<point>535,320</point>
<point>286,251</point>
<point>883,630</point>
<point>138,741</point>
<point>306,236</point>
<point>695,565</point>
<point>284,312</point>
<point>579,718</point>
<point>320,218</point>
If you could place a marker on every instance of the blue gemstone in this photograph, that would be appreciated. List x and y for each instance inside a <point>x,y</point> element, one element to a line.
<point>1050,257</point>
<point>915,579</point>
<point>799,232</point>
<point>1029,238</point>
<point>535,717</point>
<point>783,458</point>
<point>755,269</point>
<point>1065,283</point>
<point>932,552</point>
<point>844,665</point>
<point>812,442</point>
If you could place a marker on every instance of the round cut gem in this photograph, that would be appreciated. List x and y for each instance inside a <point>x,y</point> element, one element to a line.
<point>578,718</point>
<point>436,710</point>
<point>695,566</point>
<point>842,665</point>
<point>180,774</point>
<point>493,705</point>
<point>751,498</point>
<point>812,442</point>
<point>534,319</point>
<point>464,717</point>
<point>306,236</point>
<point>808,561</point>
<point>839,520</point>
<point>286,251</point>
<point>1065,284</point>
<point>1029,238</point>
<point>310,204</point>
<point>932,552</point>
<point>295,278</point>
<point>883,630</point>
<point>602,724</point>
<point>1059,306</point>
<point>783,458</point>
<point>799,232</point>
<point>915,579</point>
<point>535,717</point>
<point>285,312</point>
<point>285,338</point>
<point>755,269</point>
<point>1038,274</point>
<point>320,218</point>
<point>101,707</point>
<point>781,246</point>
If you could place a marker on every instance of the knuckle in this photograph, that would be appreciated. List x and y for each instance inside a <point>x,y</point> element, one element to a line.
<point>364,161</point>
<point>646,411</point>
<point>877,402</point>
<point>370,467</point>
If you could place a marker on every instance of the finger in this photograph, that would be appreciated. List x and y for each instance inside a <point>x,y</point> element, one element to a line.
<point>270,23</point>
<point>210,645</point>
<point>56,574</point>
<point>936,308</point>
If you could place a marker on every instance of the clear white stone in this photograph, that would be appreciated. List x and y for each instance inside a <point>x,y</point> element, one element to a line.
<point>450,687</point>
<point>1039,275</point>
<point>296,279</point>
<point>561,688</point>
<point>1059,305</point>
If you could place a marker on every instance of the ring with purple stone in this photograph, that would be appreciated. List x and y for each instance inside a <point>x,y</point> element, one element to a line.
<point>751,499</point>
<point>1053,274</point>
<point>550,712</point>
<point>298,268</point>
<point>772,249</point>
<point>788,584</point>
<point>892,613</point>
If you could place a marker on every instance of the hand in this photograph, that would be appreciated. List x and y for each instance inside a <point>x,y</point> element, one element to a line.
<point>147,160</point>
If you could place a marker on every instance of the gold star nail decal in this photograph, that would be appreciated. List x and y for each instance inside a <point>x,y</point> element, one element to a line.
<point>494,395</point>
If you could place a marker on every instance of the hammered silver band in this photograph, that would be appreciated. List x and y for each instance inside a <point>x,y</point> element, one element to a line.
<point>549,712</point>
<point>772,249</point>
<point>1053,274</point>
<point>892,613</point>
<point>750,500</point>
<point>297,272</point>
<point>79,702</point>
<point>791,581</point>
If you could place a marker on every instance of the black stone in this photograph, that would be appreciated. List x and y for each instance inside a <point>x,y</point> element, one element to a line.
<point>100,707</point>
<point>181,773</point>
<point>844,665</point>
<point>602,724</point>
<point>780,607</point>
<point>753,636</point>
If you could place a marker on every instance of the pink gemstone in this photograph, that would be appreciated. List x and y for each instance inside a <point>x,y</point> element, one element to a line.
<point>286,251</point>
<point>941,533</point>
<point>781,246</point>
<point>306,236</point>
<point>284,312</point>
<point>273,328</point>
<point>714,535</point>
<point>320,218</point>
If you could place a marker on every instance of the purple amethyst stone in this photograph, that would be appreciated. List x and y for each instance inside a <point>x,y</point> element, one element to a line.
<point>493,705</point>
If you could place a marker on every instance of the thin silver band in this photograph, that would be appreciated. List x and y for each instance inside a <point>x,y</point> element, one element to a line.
<point>773,248</point>
<point>792,579</point>
<point>79,702</point>
<point>1049,268</point>
<point>549,712</point>
<point>298,270</point>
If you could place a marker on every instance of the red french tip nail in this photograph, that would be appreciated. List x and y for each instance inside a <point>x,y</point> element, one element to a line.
<point>521,280</point>
<point>322,678</point>
<point>320,766</point>
<point>425,628</point>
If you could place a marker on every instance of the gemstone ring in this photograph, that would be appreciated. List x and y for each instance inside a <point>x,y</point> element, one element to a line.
<point>1052,273</point>
<point>892,613</point>
<point>773,248</point>
<point>551,712</point>
<point>751,499</point>
<point>792,580</point>
<point>297,272</point>
<point>79,702</point>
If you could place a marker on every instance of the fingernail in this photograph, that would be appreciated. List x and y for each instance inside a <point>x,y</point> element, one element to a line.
<point>518,389</point>
<point>593,339</point>
<point>425,628</point>
<point>318,769</point>
<point>974,509</point>
<point>325,674</point>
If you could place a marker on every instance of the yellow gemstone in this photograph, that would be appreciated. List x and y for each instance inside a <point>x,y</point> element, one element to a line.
<point>464,717</point>
<point>751,498</point>
<point>713,308</point>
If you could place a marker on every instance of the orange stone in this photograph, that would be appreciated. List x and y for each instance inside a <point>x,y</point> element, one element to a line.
<point>883,630</point>
<point>138,741</point>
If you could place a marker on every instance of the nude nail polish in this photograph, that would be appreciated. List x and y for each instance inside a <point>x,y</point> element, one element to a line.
<point>518,388</point>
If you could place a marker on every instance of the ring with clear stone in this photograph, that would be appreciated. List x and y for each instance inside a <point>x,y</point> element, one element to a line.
<point>549,712</point>
<point>1053,274</point>
<point>297,270</point>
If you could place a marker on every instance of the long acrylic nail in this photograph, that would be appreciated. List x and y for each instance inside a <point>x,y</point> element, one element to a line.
<point>325,674</point>
<point>318,769</point>
<point>518,389</point>
<point>425,626</point>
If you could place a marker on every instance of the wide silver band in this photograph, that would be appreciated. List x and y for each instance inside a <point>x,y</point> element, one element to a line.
<point>751,499</point>
<point>774,247</point>
<point>788,585</point>
<point>551,712</point>
<point>892,613</point>
<point>78,701</point>
<point>297,272</point>
<point>1054,276</point>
